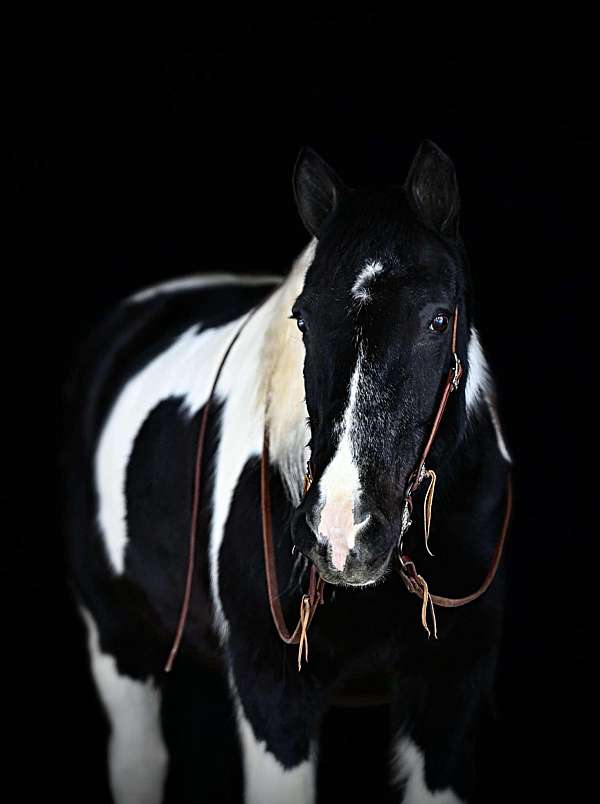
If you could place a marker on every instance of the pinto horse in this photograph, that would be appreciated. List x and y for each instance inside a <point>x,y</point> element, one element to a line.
<point>329,383</point>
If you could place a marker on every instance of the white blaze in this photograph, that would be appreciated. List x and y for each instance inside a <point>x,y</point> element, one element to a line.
<point>339,487</point>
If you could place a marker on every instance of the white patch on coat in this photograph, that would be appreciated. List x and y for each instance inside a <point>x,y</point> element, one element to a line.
<point>339,486</point>
<point>479,379</point>
<point>480,388</point>
<point>266,781</point>
<point>186,369</point>
<point>360,288</point>
<point>200,281</point>
<point>137,755</point>
<point>408,771</point>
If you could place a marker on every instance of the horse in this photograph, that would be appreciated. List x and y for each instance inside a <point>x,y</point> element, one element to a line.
<point>303,411</point>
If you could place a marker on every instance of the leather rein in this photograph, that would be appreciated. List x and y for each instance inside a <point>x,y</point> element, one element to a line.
<point>414,582</point>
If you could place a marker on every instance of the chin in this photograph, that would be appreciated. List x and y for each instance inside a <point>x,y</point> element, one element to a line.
<point>354,578</point>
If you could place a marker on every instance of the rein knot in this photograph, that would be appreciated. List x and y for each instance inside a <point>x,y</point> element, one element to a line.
<point>416,584</point>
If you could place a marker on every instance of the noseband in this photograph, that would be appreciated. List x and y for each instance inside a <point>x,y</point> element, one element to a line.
<point>414,582</point>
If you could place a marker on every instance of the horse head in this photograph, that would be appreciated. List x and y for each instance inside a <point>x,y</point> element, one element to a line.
<point>376,313</point>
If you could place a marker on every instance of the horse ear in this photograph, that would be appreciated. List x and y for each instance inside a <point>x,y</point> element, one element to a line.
<point>317,189</point>
<point>432,189</point>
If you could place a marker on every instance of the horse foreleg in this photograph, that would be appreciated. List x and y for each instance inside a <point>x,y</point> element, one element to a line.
<point>137,755</point>
<point>436,725</point>
<point>279,753</point>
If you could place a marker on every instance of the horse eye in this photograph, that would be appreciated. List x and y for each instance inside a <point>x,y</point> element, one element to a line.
<point>301,324</point>
<point>439,323</point>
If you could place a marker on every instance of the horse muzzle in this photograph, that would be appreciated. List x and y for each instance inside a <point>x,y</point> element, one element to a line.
<point>345,552</point>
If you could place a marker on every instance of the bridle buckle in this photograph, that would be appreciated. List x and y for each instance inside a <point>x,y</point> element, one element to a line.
<point>405,524</point>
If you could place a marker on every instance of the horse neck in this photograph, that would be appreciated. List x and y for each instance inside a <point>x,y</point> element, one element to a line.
<point>478,462</point>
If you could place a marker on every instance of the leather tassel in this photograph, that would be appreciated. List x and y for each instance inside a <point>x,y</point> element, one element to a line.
<point>304,621</point>
<point>428,505</point>
<point>427,601</point>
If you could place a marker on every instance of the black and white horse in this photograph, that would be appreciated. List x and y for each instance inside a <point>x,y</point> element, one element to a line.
<point>342,362</point>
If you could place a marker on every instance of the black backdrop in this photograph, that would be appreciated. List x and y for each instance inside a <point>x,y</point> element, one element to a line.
<point>140,159</point>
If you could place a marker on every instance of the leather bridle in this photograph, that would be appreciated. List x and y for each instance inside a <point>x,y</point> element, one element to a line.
<point>414,582</point>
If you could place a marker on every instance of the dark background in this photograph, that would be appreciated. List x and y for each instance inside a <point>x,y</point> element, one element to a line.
<point>140,158</point>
